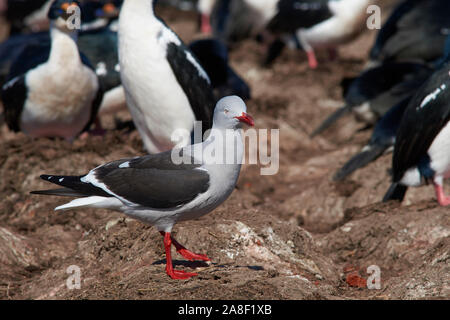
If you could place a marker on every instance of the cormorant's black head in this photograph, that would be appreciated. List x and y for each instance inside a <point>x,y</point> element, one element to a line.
<point>109,9</point>
<point>59,9</point>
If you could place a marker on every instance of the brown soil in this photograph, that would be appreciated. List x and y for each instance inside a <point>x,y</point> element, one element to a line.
<point>294,235</point>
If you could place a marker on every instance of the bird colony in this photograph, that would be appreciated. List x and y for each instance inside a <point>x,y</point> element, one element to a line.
<point>127,126</point>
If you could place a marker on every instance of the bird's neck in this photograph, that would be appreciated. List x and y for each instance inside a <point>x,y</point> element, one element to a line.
<point>137,20</point>
<point>64,48</point>
<point>143,8</point>
<point>225,145</point>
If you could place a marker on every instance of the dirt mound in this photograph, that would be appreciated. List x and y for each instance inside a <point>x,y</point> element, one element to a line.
<point>293,235</point>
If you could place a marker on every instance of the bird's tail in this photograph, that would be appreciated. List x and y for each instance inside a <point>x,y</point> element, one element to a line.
<point>345,85</point>
<point>92,202</point>
<point>396,192</point>
<point>87,195</point>
<point>63,192</point>
<point>274,51</point>
<point>367,155</point>
<point>72,187</point>
<point>331,119</point>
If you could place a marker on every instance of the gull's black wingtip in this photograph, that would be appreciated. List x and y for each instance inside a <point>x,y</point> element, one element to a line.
<point>330,120</point>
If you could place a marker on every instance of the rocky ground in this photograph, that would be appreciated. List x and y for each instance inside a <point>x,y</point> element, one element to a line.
<point>293,235</point>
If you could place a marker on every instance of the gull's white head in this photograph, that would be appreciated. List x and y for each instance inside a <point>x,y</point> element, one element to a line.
<point>231,112</point>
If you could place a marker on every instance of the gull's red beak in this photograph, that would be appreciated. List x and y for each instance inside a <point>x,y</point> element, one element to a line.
<point>246,118</point>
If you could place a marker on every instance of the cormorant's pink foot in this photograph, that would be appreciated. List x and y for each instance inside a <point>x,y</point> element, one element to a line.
<point>205,27</point>
<point>312,61</point>
<point>441,197</point>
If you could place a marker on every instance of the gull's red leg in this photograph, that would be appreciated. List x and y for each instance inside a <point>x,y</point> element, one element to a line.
<point>174,274</point>
<point>191,256</point>
<point>441,197</point>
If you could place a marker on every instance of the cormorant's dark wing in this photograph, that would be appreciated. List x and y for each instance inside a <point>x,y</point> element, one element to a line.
<point>194,81</point>
<point>402,38</point>
<point>427,113</point>
<point>14,91</point>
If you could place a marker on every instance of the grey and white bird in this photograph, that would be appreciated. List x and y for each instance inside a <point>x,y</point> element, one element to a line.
<point>165,86</point>
<point>165,188</point>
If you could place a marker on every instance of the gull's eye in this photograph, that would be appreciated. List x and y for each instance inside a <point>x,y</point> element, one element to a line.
<point>226,111</point>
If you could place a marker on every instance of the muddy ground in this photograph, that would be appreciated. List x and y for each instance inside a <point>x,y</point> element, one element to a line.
<point>293,235</point>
